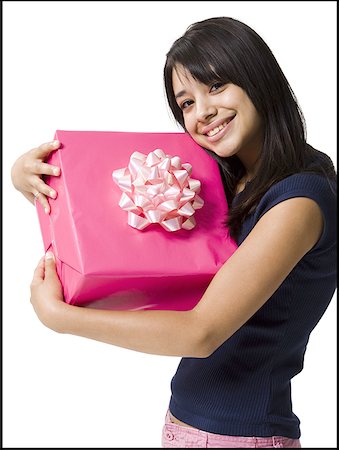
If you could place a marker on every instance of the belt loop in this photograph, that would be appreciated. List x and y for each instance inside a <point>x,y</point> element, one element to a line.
<point>206,436</point>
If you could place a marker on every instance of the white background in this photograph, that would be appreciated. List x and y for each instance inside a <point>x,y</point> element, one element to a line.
<point>98,66</point>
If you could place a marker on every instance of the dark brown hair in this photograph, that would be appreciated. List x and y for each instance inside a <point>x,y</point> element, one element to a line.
<point>238,55</point>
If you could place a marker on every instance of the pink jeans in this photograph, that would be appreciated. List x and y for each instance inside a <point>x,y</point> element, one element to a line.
<point>178,436</point>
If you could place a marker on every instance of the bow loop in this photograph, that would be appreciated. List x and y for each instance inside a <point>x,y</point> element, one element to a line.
<point>158,188</point>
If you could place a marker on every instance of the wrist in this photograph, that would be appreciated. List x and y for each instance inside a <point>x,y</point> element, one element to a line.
<point>60,316</point>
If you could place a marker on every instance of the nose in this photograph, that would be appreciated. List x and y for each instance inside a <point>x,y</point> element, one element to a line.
<point>205,111</point>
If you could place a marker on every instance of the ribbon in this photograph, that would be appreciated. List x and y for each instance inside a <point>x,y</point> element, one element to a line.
<point>158,188</point>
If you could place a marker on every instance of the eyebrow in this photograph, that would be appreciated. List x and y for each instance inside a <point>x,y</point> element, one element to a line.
<point>180,94</point>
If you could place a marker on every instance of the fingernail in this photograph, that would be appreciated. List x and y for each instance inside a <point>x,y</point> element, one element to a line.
<point>46,210</point>
<point>52,194</point>
<point>49,255</point>
<point>56,171</point>
<point>55,143</point>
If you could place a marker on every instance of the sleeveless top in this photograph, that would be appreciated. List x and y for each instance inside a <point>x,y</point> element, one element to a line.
<point>244,387</point>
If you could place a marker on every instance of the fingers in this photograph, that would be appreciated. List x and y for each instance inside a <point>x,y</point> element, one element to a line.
<point>41,198</point>
<point>41,168</point>
<point>43,188</point>
<point>36,167</point>
<point>45,149</point>
<point>41,192</point>
<point>35,160</point>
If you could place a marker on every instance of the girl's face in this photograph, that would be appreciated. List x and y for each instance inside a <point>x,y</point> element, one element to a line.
<point>219,117</point>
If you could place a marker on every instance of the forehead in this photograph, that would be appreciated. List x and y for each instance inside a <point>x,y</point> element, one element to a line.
<point>182,78</point>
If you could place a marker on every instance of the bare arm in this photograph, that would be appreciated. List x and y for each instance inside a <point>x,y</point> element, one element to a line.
<point>242,285</point>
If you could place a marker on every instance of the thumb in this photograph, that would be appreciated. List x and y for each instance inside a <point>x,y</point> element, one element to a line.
<point>49,264</point>
<point>51,279</point>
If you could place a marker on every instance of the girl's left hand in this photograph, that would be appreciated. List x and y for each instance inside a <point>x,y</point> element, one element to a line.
<point>46,292</point>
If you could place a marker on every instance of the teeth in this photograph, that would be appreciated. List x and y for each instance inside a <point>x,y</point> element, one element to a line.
<point>216,129</point>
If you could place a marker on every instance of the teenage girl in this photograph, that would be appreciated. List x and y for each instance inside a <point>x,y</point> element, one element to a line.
<point>246,338</point>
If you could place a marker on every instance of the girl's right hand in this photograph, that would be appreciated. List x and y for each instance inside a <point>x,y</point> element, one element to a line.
<point>27,174</point>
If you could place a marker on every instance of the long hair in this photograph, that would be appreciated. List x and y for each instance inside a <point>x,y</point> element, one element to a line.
<point>226,50</point>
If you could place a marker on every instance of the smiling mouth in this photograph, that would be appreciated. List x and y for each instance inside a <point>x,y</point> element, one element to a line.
<point>219,128</point>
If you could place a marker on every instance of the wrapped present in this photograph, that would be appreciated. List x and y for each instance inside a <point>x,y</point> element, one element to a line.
<point>138,220</point>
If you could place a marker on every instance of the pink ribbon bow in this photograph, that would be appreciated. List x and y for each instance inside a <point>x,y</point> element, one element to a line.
<point>157,188</point>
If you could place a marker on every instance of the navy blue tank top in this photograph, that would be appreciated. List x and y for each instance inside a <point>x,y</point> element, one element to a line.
<point>244,387</point>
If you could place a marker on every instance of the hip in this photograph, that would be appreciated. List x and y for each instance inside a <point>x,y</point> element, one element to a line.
<point>177,434</point>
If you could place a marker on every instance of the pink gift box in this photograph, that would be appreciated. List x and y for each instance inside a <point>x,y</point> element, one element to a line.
<point>104,262</point>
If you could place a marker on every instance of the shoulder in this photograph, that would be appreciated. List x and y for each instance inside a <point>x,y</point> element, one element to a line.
<point>305,195</point>
<point>305,184</point>
<point>297,220</point>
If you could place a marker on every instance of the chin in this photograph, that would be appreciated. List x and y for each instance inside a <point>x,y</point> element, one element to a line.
<point>221,153</point>
<point>224,152</point>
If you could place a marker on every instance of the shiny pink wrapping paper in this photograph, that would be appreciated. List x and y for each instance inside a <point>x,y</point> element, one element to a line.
<point>102,261</point>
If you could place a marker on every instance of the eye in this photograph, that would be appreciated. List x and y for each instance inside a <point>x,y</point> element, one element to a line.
<point>186,104</point>
<point>216,86</point>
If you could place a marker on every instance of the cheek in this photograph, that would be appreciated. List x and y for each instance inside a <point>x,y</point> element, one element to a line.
<point>190,126</point>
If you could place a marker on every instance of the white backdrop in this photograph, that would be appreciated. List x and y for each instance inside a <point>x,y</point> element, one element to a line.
<point>98,66</point>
